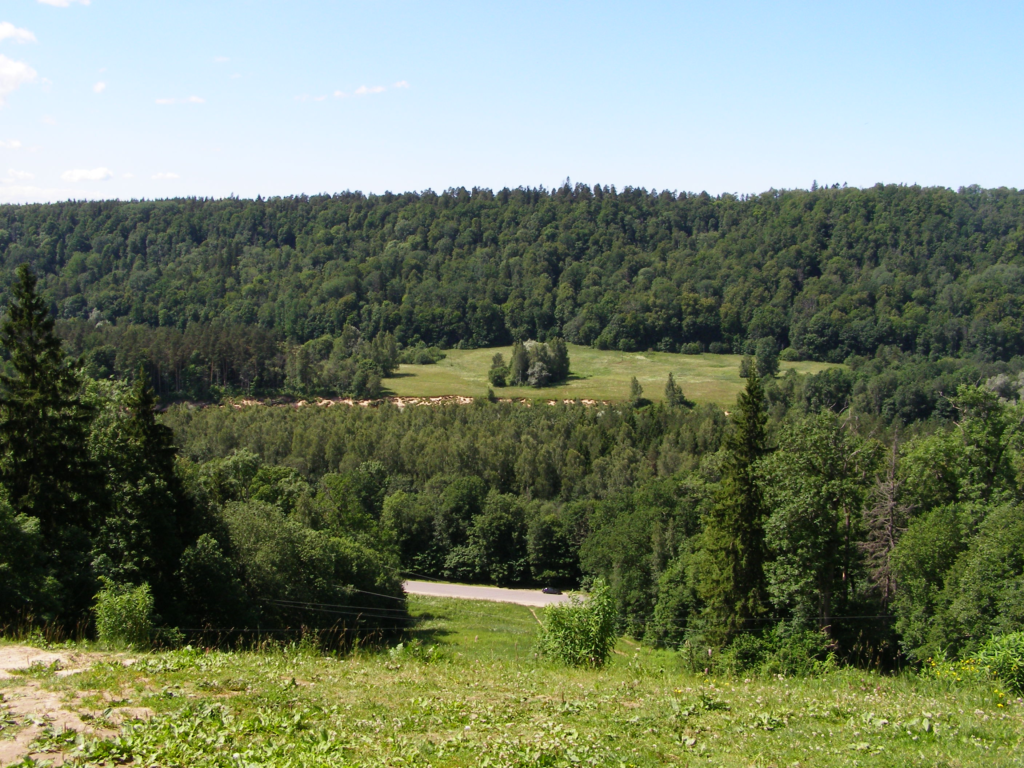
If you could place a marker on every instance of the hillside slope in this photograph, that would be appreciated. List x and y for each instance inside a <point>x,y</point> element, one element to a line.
<point>830,272</point>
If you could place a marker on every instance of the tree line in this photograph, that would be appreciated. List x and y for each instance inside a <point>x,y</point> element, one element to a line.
<point>797,522</point>
<point>824,274</point>
<point>94,498</point>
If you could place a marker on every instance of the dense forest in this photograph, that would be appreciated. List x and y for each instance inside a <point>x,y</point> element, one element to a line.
<point>871,511</point>
<point>883,544</point>
<point>94,500</point>
<point>224,294</point>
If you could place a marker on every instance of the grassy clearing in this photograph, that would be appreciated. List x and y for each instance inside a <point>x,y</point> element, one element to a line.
<point>483,698</point>
<point>596,375</point>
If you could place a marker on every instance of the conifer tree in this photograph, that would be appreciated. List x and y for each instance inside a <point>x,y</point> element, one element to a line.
<point>519,365</point>
<point>636,393</point>
<point>673,393</point>
<point>140,537</point>
<point>731,579</point>
<point>44,465</point>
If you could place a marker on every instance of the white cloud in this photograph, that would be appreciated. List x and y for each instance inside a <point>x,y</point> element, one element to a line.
<point>189,100</point>
<point>339,95</point>
<point>220,59</point>
<point>13,176</point>
<point>401,84</point>
<point>63,3</point>
<point>13,74</point>
<point>12,144</point>
<point>20,193</point>
<point>91,174</point>
<point>48,120</point>
<point>10,32</point>
<point>100,87</point>
<point>127,175</point>
<point>362,90</point>
<point>165,176</point>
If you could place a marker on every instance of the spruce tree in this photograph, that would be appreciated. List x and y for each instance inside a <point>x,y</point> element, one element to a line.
<point>44,464</point>
<point>519,365</point>
<point>731,580</point>
<point>636,393</point>
<point>673,394</point>
<point>140,537</point>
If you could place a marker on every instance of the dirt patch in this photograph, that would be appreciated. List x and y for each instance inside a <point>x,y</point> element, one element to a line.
<point>34,709</point>
<point>399,401</point>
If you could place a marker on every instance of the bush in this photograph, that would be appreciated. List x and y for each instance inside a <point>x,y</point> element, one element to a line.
<point>580,633</point>
<point>691,348</point>
<point>421,354</point>
<point>124,615</point>
<point>778,652</point>
<point>1003,657</point>
<point>498,376</point>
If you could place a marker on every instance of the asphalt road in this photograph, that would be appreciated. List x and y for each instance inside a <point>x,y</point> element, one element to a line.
<point>532,597</point>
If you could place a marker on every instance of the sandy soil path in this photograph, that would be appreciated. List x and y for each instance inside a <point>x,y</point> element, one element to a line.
<point>27,708</point>
<point>531,597</point>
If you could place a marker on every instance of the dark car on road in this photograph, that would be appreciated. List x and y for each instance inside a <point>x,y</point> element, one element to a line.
<point>551,591</point>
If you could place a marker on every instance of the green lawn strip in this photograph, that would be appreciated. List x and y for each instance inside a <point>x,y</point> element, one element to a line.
<point>486,696</point>
<point>596,375</point>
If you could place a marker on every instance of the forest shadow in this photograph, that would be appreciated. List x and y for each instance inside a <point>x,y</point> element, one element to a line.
<point>428,635</point>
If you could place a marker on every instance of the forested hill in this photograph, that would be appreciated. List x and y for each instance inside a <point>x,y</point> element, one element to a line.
<point>829,272</point>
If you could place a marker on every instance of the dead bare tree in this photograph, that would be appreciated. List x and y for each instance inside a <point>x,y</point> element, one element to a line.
<point>885,517</point>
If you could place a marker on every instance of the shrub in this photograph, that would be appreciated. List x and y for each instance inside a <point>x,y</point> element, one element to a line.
<point>498,376</point>
<point>580,633</point>
<point>124,615</point>
<point>691,348</point>
<point>1003,656</point>
<point>778,652</point>
<point>421,354</point>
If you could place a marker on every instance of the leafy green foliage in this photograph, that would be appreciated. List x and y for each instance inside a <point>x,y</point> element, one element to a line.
<point>581,632</point>
<point>533,363</point>
<point>124,615</point>
<point>827,273</point>
<point>1003,656</point>
<point>814,488</point>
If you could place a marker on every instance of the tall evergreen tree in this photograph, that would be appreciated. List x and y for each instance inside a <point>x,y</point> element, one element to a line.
<point>43,432</point>
<point>731,578</point>
<point>559,363</point>
<point>636,393</point>
<point>139,539</point>
<point>519,365</point>
<point>673,393</point>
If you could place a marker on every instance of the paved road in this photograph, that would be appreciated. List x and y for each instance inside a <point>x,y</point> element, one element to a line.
<point>532,597</point>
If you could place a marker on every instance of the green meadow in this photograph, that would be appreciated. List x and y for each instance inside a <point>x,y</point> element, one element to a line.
<point>595,375</point>
<point>466,688</point>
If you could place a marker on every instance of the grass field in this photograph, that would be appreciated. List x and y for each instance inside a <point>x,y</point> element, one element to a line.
<point>596,375</point>
<point>469,691</point>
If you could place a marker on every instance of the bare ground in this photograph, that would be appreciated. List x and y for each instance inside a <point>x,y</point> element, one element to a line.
<point>27,709</point>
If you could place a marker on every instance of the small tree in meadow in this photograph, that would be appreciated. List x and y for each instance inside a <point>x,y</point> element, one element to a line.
<point>580,633</point>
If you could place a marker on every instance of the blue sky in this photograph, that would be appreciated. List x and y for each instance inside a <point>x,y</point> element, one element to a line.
<point>131,99</point>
